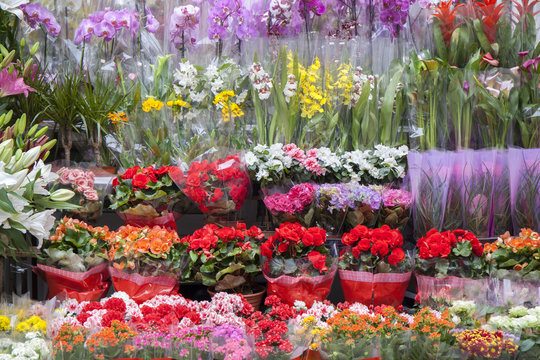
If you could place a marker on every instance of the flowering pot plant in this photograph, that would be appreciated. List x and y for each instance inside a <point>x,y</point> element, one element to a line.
<point>331,207</point>
<point>86,196</point>
<point>145,261</point>
<point>148,196</point>
<point>364,203</point>
<point>297,264</point>
<point>225,259</point>
<point>481,344</point>
<point>218,187</point>
<point>395,211</point>
<point>447,265</point>
<point>75,260</point>
<point>294,206</point>
<point>373,268</point>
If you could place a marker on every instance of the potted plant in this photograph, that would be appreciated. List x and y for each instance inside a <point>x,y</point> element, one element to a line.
<point>149,196</point>
<point>226,259</point>
<point>146,261</point>
<point>373,268</point>
<point>86,196</point>
<point>450,265</point>
<point>296,205</point>
<point>75,261</point>
<point>297,264</point>
<point>396,207</point>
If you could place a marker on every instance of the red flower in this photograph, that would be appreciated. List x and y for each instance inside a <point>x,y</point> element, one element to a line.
<point>396,256</point>
<point>218,194</point>
<point>226,233</point>
<point>360,231</point>
<point>283,247</point>
<point>314,236</point>
<point>447,18</point>
<point>318,260</point>
<point>380,249</point>
<point>291,231</point>
<point>115,182</point>
<point>151,173</point>
<point>364,245</point>
<point>130,173</point>
<point>266,250</point>
<point>490,60</point>
<point>116,304</point>
<point>163,170</point>
<point>108,318</point>
<point>177,175</point>
<point>193,180</point>
<point>140,181</point>
<point>349,239</point>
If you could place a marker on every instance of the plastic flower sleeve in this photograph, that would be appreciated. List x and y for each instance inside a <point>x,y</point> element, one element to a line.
<point>524,166</point>
<point>396,208</point>
<point>501,211</point>
<point>218,184</point>
<point>364,204</point>
<point>331,206</point>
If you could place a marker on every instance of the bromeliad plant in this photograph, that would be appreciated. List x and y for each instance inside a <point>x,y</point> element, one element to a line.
<point>226,259</point>
<point>286,252</point>
<point>450,253</point>
<point>76,246</point>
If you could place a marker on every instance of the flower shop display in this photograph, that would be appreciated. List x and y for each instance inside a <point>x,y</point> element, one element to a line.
<point>218,187</point>
<point>364,204</point>
<point>226,259</point>
<point>515,267</point>
<point>146,261</point>
<point>297,264</point>
<point>450,265</point>
<point>373,268</point>
<point>75,261</point>
<point>148,196</point>
<point>296,205</point>
<point>86,196</point>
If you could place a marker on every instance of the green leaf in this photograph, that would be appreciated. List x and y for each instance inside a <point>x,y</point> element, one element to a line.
<point>442,266</point>
<point>388,108</point>
<point>440,45</point>
<point>5,203</point>
<point>229,270</point>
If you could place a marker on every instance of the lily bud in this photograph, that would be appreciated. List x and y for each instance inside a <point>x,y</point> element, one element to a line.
<point>34,49</point>
<point>28,67</point>
<point>30,156</point>
<point>32,130</point>
<point>62,195</point>
<point>7,60</point>
<point>41,131</point>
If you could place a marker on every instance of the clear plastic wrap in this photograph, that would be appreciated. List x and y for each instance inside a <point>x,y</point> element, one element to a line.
<point>331,207</point>
<point>524,166</point>
<point>364,205</point>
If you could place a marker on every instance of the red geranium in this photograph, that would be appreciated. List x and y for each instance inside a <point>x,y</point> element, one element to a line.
<point>140,181</point>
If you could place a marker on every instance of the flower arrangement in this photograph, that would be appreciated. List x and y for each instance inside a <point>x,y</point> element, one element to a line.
<point>68,344</point>
<point>148,196</point>
<point>485,344</point>
<point>226,258</point>
<point>395,211</point>
<point>457,252</point>
<point>86,196</point>
<point>33,345</point>
<point>294,206</point>
<point>217,187</point>
<point>112,341</point>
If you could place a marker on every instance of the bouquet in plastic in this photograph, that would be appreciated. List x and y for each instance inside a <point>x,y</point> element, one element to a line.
<point>294,206</point>
<point>297,264</point>
<point>225,259</point>
<point>146,261</point>
<point>149,196</point>
<point>395,211</point>
<point>448,265</point>
<point>75,259</point>
<point>515,267</point>
<point>374,269</point>
<point>331,206</point>
<point>86,196</point>
<point>218,188</point>
<point>364,203</point>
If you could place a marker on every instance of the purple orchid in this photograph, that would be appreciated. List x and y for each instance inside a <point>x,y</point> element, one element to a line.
<point>393,15</point>
<point>152,24</point>
<point>105,30</point>
<point>184,20</point>
<point>35,14</point>
<point>107,24</point>
<point>12,84</point>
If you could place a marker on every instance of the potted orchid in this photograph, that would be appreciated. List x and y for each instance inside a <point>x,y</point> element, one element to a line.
<point>297,264</point>
<point>226,259</point>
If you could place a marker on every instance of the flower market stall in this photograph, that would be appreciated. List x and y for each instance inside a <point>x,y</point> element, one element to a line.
<point>270,179</point>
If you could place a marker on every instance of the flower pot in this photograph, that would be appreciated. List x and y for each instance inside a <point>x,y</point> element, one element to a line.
<point>310,355</point>
<point>254,300</point>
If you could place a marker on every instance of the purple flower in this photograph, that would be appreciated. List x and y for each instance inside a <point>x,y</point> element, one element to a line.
<point>393,15</point>
<point>35,14</point>
<point>105,29</point>
<point>151,23</point>
<point>466,87</point>
<point>12,84</point>
<point>184,19</point>
<point>85,31</point>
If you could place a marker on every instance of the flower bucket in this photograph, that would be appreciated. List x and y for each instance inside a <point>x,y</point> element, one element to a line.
<point>374,289</point>
<point>302,288</point>
<point>86,286</point>
<point>142,288</point>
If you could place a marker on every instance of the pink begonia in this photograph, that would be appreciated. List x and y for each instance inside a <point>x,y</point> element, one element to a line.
<point>395,197</point>
<point>292,202</point>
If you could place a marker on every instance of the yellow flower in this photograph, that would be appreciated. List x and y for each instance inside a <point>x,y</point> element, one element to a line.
<point>119,117</point>
<point>5,323</point>
<point>231,110</point>
<point>223,97</point>
<point>150,104</point>
<point>178,102</point>
<point>22,326</point>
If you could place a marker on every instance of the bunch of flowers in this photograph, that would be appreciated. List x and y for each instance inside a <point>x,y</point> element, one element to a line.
<point>76,246</point>
<point>229,16</point>
<point>36,15</point>
<point>331,204</point>
<point>112,341</point>
<point>293,243</point>
<point>364,203</point>
<point>293,206</point>
<point>192,343</point>
<point>32,324</point>
<point>485,344</point>
<point>217,187</point>
<point>147,251</point>
<point>229,342</point>
<point>516,253</point>
<point>68,344</point>
<point>32,346</point>
<point>374,250</point>
<point>457,252</point>
<point>226,258</point>
<point>395,210</point>
<point>86,196</point>
<point>142,195</point>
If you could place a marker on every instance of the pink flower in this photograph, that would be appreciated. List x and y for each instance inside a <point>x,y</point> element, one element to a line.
<point>12,84</point>
<point>312,165</point>
<point>82,182</point>
<point>294,152</point>
<point>64,176</point>
<point>395,197</point>
<point>91,195</point>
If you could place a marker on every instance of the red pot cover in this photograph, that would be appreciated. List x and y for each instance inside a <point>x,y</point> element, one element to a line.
<point>141,288</point>
<point>306,289</point>
<point>374,289</point>
<point>167,221</point>
<point>450,288</point>
<point>87,286</point>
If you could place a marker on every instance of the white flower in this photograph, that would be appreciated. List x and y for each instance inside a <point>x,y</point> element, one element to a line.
<point>241,98</point>
<point>211,71</point>
<point>250,159</point>
<point>198,96</point>
<point>262,174</point>
<point>40,224</point>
